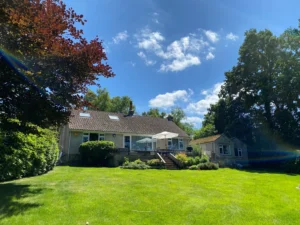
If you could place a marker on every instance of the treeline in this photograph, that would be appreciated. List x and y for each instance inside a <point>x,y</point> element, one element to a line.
<point>260,99</point>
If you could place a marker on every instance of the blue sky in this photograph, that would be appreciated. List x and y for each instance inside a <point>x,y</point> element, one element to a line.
<point>174,53</point>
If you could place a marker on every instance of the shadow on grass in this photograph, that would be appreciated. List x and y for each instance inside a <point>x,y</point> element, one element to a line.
<point>266,170</point>
<point>11,199</point>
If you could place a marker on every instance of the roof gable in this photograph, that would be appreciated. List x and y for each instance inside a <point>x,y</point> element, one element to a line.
<point>101,121</point>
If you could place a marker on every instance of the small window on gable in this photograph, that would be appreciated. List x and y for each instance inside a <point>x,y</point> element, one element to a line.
<point>240,152</point>
<point>84,115</point>
<point>113,117</point>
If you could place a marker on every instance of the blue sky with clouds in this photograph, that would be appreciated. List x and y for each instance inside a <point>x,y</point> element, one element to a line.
<point>168,53</point>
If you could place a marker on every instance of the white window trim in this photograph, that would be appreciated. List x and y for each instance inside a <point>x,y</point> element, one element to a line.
<point>228,149</point>
<point>180,140</point>
<point>101,135</point>
<point>240,151</point>
<point>85,135</point>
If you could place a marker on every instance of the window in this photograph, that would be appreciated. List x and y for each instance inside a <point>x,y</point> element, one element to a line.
<point>101,137</point>
<point>238,152</point>
<point>170,146</point>
<point>141,143</point>
<point>86,115</point>
<point>224,149</point>
<point>86,137</point>
<point>127,142</point>
<point>94,136</point>
<point>180,144</point>
<point>113,117</point>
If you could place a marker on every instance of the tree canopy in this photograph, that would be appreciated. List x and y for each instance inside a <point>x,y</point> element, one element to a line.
<point>103,102</point>
<point>45,62</point>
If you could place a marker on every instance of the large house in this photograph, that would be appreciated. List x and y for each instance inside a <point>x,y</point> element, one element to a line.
<point>221,148</point>
<point>131,132</point>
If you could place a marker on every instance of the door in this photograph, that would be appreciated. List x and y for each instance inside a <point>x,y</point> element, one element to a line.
<point>127,142</point>
<point>94,137</point>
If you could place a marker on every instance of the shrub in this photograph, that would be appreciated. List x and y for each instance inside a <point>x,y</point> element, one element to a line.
<point>137,164</point>
<point>292,166</point>
<point>182,157</point>
<point>96,153</point>
<point>156,163</point>
<point>204,159</point>
<point>208,166</point>
<point>194,167</point>
<point>27,154</point>
<point>197,150</point>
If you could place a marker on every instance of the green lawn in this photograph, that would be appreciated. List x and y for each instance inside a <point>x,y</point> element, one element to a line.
<point>70,195</point>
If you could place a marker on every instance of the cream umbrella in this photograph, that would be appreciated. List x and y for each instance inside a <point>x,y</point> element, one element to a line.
<point>165,135</point>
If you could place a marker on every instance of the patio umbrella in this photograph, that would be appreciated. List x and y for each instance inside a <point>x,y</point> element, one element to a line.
<point>165,135</point>
<point>145,140</point>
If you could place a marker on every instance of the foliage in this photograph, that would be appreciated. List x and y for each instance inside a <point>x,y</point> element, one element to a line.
<point>155,163</point>
<point>197,150</point>
<point>102,101</point>
<point>208,166</point>
<point>205,131</point>
<point>96,153</point>
<point>136,165</point>
<point>28,154</point>
<point>154,112</point>
<point>45,59</point>
<point>292,165</point>
<point>194,167</point>
<point>189,161</point>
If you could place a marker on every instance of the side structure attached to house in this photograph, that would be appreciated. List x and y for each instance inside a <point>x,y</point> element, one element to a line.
<point>221,148</point>
<point>130,132</point>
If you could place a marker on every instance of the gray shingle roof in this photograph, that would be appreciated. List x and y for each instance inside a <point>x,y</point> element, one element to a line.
<point>100,121</point>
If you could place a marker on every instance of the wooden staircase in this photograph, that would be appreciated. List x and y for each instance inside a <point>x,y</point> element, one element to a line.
<point>170,165</point>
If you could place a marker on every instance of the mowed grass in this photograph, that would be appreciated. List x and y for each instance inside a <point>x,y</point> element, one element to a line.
<point>70,195</point>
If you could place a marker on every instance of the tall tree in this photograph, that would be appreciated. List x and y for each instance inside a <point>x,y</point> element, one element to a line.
<point>45,62</point>
<point>266,81</point>
<point>103,102</point>
<point>154,112</point>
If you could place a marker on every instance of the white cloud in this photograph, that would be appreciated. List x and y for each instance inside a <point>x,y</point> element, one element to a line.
<point>168,99</point>
<point>132,63</point>
<point>155,18</point>
<point>122,36</point>
<point>210,97</point>
<point>179,54</point>
<point>148,62</point>
<point>180,64</point>
<point>196,121</point>
<point>210,56</point>
<point>232,36</point>
<point>212,36</point>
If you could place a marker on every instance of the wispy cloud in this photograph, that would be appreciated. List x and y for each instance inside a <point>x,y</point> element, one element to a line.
<point>155,16</point>
<point>212,36</point>
<point>148,62</point>
<point>121,36</point>
<point>178,55</point>
<point>196,121</point>
<point>169,99</point>
<point>232,37</point>
<point>210,97</point>
<point>210,56</point>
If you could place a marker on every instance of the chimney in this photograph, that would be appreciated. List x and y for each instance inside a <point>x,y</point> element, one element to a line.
<point>131,112</point>
<point>170,118</point>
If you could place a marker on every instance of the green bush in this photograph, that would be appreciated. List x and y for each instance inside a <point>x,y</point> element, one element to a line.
<point>197,150</point>
<point>292,166</point>
<point>194,167</point>
<point>28,154</point>
<point>96,153</point>
<point>208,166</point>
<point>190,161</point>
<point>156,163</point>
<point>136,165</point>
<point>204,158</point>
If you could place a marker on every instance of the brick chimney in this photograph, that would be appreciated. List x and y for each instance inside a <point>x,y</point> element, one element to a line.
<point>131,111</point>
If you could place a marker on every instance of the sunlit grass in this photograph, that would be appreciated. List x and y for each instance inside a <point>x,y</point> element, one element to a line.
<point>70,195</point>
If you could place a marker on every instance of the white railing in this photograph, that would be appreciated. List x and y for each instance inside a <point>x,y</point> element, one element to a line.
<point>161,158</point>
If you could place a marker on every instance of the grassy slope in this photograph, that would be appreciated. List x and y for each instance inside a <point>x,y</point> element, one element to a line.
<point>70,195</point>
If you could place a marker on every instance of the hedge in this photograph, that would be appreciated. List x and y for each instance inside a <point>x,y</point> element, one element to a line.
<point>23,155</point>
<point>96,153</point>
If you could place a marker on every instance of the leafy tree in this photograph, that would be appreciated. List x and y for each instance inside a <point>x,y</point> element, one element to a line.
<point>103,102</point>
<point>154,112</point>
<point>205,131</point>
<point>45,62</point>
